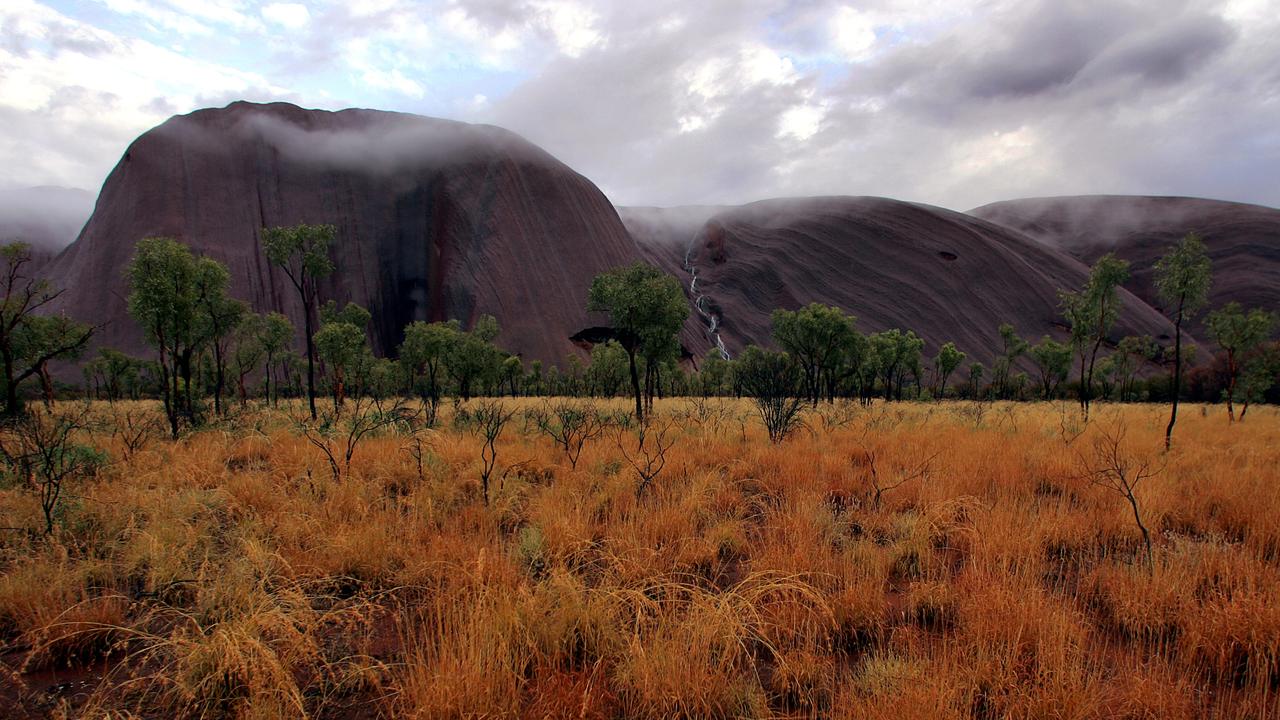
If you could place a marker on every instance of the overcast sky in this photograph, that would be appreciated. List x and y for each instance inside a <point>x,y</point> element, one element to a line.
<point>951,102</point>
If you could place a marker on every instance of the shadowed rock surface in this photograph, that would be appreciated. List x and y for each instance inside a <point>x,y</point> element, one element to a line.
<point>1243,240</point>
<point>943,274</point>
<point>436,220</point>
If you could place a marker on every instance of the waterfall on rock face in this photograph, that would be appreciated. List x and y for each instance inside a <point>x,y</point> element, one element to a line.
<point>700,304</point>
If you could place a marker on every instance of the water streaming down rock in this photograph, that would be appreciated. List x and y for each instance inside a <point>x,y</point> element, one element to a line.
<point>700,304</point>
<point>663,237</point>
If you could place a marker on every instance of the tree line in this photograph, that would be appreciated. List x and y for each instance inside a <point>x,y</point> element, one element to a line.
<point>212,349</point>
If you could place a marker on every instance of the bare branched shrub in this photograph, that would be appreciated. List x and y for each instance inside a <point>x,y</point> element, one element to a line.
<point>838,414</point>
<point>652,440</point>
<point>976,411</point>
<point>703,412</point>
<point>570,426</point>
<point>135,428</point>
<point>339,437</point>
<point>1112,466</point>
<point>1009,417</point>
<point>42,452</point>
<point>420,446</point>
<point>486,421</point>
<point>892,477</point>
<point>1070,424</point>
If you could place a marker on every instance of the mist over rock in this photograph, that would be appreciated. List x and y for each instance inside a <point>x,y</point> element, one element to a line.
<point>1242,240</point>
<point>435,220</point>
<point>46,217</point>
<point>943,274</point>
<point>664,237</point>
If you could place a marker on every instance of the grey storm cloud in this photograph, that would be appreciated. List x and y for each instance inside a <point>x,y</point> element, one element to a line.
<point>1032,98</point>
<point>727,101</point>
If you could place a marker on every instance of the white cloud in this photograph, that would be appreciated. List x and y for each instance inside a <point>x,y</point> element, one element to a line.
<point>801,122</point>
<point>289,15</point>
<point>77,95</point>
<point>853,33</point>
<point>759,63</point>
<point>489,46</point>
<point>691,123</point>
<point>572,25</point>
<point>381,68</point>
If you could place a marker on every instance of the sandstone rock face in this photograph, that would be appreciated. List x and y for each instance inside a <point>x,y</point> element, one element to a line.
<point>1243,241</point>
<point>436,220</point>
<point>945,275</point>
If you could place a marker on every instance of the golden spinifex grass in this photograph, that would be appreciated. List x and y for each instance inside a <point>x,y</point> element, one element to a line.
<point>997,575</point>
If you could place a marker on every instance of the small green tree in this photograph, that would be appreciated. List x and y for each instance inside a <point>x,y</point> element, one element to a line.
<point>217,315</point>
<point>1131,354</point>
<point>976,371</point>
<point>1259,375</point>
<point>1053,362</point>
<point>814,336</point>
<point>646,307</point>
<point>28,341</point>
<point>1091,314</point>
<point>277,336</point>
<point>533,381</point>
<point>1182,280</point>
<point>340,342</point>
<point>471,357</point>
<point>898,354</point>
<point>1012,347</point>
<point>423,355</point>
<point>246,351</point>
<point>1238,334</point>
<point>945,363</point>
<point>113,374</point>
<point>302,252</point>
<point>512,374</point>
<point>713,375</point>
<point>163,299</point>
<point>608,370</point>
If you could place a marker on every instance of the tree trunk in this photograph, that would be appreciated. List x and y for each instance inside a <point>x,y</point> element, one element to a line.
<point>46,384</point>
<point>1232,372</point>
<point>339,390</point>
<point>311,355</point>
<point>1177,376</point>
<point>267,382</point>
<point>219,378</point>
<point>635,384</point>
<point>169,381</point>
<point>12,403</point>
<point>188,396</point>
<point>1084,385</point>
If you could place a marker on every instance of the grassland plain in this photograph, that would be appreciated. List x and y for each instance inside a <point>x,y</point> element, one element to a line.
<point>901,561</point>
